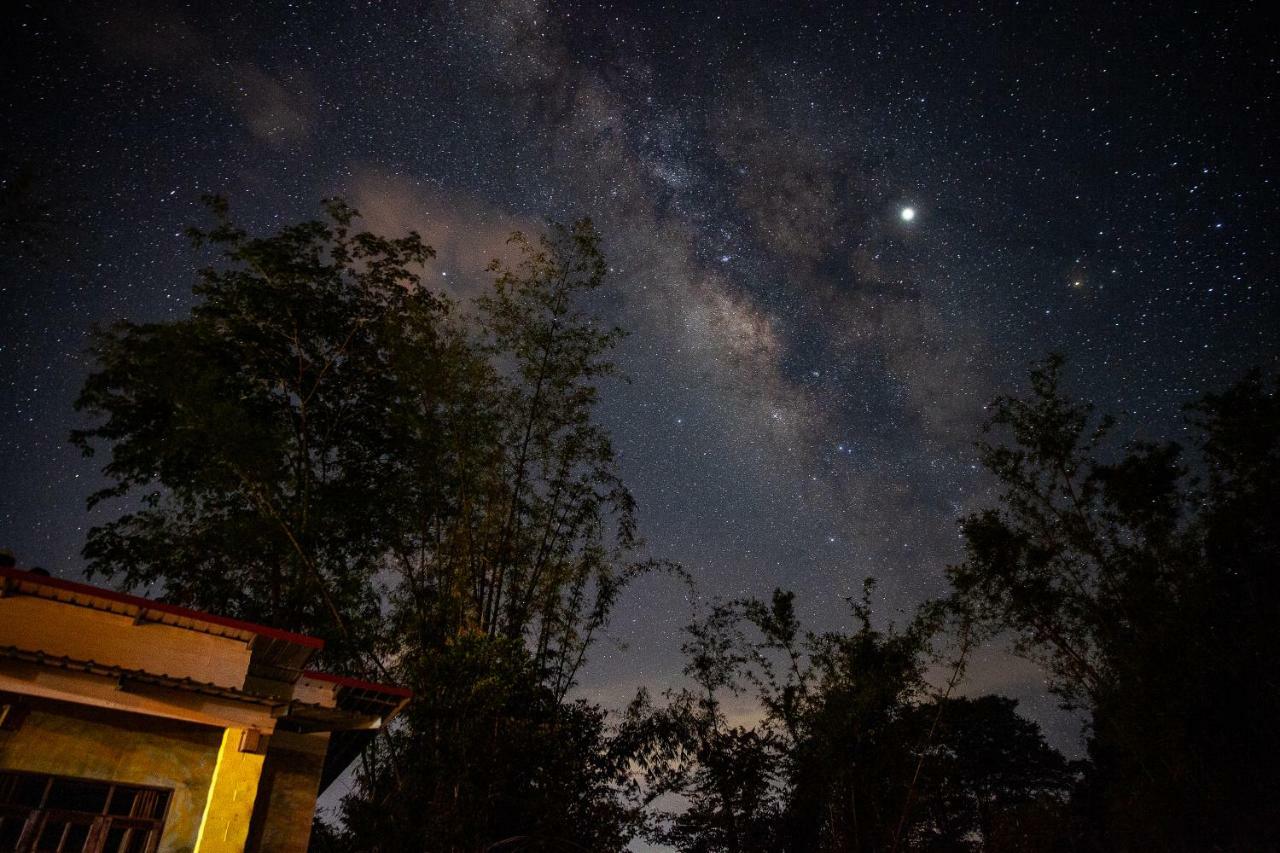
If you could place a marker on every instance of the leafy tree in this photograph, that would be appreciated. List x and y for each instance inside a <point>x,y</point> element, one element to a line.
<point>988,780</point>
<point>260,436</point>
<point>495,761</point>
<point>326,445</point>
<point>532,542</point>
<point>727,774</point>
<point>854,751</point>
<point>1144,581</point>
<point>506,585</point>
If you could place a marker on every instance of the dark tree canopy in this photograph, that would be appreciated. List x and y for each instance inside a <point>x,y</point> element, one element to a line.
<point>854,751</point>
<point>260,438</point>
<point>1144,578</point>
<point>489,757</point>
<point>326,445</point>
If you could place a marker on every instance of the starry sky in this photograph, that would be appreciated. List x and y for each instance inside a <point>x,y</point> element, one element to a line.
<point>808,367</point>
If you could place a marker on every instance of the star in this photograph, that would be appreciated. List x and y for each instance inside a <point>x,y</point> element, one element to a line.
<point>767,212</point>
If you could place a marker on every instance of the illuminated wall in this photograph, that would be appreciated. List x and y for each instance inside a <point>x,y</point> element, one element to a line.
<point>94,743</point>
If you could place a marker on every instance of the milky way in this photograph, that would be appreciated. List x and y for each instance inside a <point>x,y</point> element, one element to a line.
<point>808,364</point>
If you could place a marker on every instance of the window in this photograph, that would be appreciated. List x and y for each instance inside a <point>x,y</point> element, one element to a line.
<point>40,813</point>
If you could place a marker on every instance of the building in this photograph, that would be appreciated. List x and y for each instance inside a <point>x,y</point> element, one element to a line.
<point>130,725</point>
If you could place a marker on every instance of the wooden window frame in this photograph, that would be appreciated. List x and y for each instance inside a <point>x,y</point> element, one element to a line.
<point>36,818</point>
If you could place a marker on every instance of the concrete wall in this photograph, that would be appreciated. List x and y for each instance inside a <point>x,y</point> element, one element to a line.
<point>287,793</point>
<point>94,743</point>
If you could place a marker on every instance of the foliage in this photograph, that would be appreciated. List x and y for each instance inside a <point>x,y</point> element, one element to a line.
<point>258,436</point>
<point>492,759</point>
<point>326,445</point>
<point>1145,582</point>
<point>532,540</point>
<point>854,752</point>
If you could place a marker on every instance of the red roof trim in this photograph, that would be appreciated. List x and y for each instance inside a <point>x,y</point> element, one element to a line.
<point>347,681</point>
<point>148,604</point>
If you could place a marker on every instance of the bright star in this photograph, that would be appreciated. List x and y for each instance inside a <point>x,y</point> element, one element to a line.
<point>908,214</point>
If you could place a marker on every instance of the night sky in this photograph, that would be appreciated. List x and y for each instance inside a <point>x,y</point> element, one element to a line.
<point>808,366</point>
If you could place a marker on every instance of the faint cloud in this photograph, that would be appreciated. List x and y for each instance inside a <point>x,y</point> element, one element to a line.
<point>278,109</point>
<point>466,232</point>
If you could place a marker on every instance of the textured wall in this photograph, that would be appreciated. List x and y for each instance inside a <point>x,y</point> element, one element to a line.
<point>76,740</point>
<point>231,795</point>
<point>287,793</point>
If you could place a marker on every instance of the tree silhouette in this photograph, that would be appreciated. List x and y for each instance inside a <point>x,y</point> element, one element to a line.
<point>855,752</point>
<point>326,445</point>
<point>1144,579</point>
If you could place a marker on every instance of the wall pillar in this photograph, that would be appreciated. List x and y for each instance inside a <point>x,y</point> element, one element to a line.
<point>225,824</point>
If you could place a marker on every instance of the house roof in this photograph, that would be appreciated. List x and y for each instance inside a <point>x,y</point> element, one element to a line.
<point>276,653</point>
<point>145,609</point>
<point>272,677</point>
